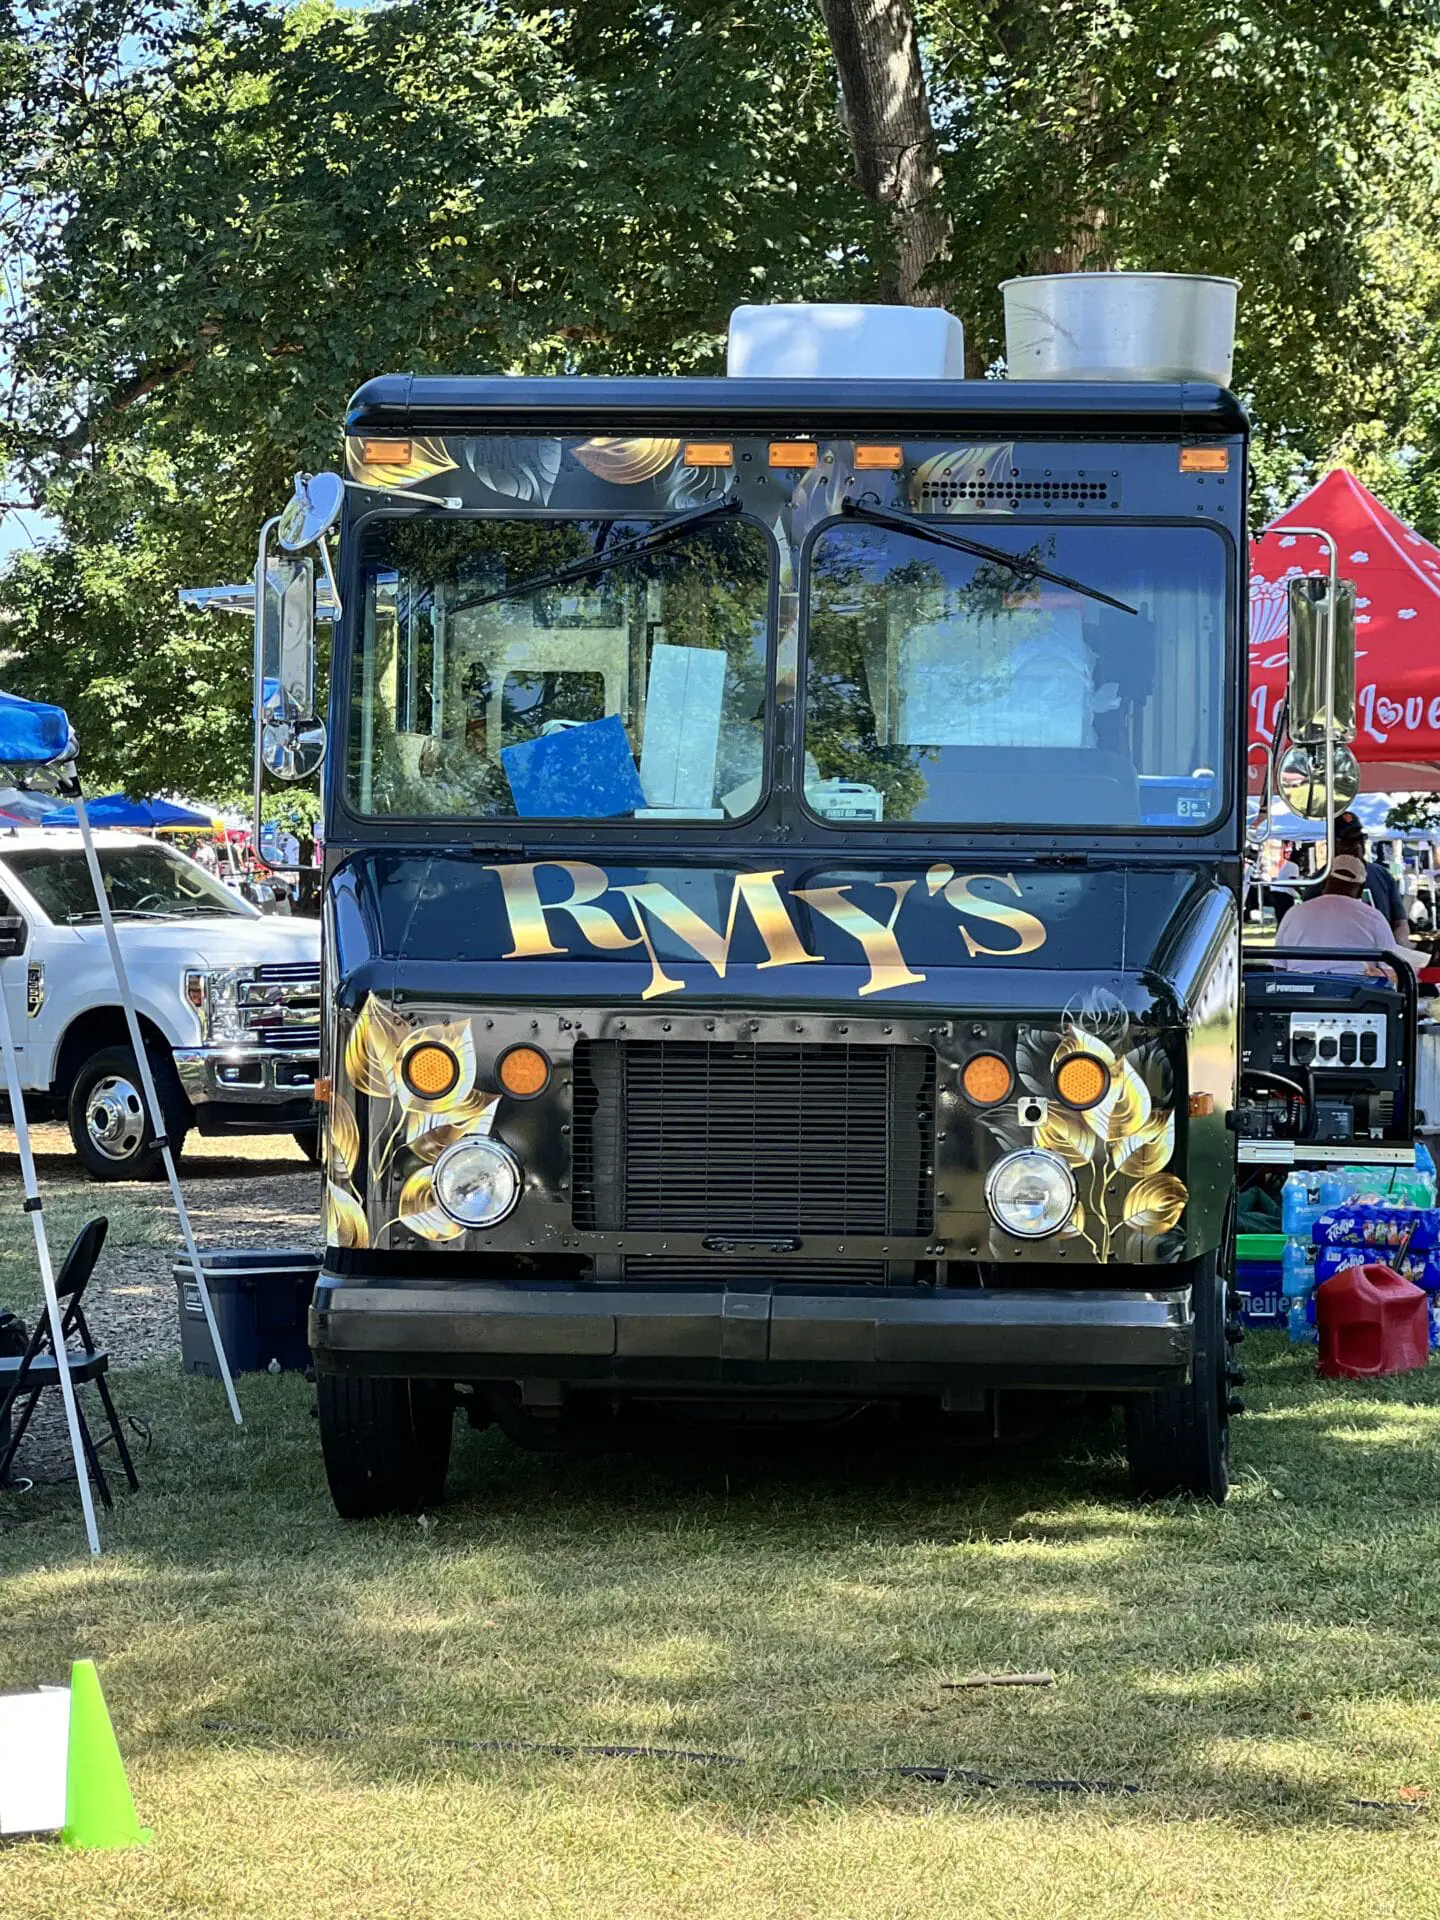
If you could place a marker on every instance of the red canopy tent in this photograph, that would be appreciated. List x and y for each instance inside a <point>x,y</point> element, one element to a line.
<point>1397,628</point>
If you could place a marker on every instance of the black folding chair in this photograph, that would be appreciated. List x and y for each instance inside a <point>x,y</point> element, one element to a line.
<point>23,1380</point>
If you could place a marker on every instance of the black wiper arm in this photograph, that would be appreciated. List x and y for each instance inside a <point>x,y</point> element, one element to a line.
<point>602,562</point>
<point>943,537</point>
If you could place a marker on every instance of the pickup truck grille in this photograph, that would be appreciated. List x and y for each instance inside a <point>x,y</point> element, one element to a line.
<point>714,1137</point>
<point>282,1005</point>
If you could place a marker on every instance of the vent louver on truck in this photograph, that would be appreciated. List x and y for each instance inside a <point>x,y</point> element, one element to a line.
<point>1013,489</point>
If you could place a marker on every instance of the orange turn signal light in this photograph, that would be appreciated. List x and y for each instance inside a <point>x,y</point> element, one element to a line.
<point>385,453</point>
<point>793,453</point>
<point>987,1079</point>
<point>879,459</point>
<point>523,1072</point>
<point>1204,459</point>
<point>1082,1080</point>
<point>709,453</point>
<point>430,1070</point>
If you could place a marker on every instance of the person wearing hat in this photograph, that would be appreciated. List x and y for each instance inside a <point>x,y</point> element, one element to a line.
<point>1338,917</point>
<point>1380,888</point>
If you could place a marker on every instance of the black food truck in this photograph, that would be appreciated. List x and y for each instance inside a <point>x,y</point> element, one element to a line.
<point>782,843</point>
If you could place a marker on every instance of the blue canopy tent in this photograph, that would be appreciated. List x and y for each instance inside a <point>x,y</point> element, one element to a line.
<point>119,810</point>
<point>38,748</point>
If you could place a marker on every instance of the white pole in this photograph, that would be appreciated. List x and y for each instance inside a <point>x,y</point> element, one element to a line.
<point>47,1272</point>
<point>152,1102</point>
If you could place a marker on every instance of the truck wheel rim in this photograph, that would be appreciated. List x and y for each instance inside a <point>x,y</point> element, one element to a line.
<point>115,1118</point>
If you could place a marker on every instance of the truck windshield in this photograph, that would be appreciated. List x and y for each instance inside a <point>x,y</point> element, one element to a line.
<point>942,688</point>
<point>483,688</point>
<point>142,883</point>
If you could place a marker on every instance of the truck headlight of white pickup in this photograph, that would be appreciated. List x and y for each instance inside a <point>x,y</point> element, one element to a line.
<point>477,1181</point>
<point>218,996</point>
<point>1031,1193</point>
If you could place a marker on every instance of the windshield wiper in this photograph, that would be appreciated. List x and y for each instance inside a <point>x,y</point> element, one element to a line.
<point>603,561</point>
<point>943,537</point>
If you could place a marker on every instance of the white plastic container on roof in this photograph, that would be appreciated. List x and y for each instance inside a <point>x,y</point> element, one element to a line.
<point>838,342</point>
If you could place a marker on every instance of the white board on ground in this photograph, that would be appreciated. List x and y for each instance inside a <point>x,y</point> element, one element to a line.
<point>34,1756</point>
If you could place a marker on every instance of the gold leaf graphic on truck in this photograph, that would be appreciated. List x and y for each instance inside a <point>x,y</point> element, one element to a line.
<point>1119,1148</point>
<point>422,1213</point>
<point>344,1136</point>
<point>384,1136</point>
<point>1154,1205</point>
<point>345,1222</point>
<point>626,463</point>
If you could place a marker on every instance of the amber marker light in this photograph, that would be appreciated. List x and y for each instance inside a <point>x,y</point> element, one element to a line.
<point>430,1070</point>
<point>709,453</point>
<point>385,453</point>
<point>879,459</point>
<point>987,1079</point>
<point>523,1072</point>
<point>793,453</point>
<point>1082,1080</point>
<point>1204,459</point>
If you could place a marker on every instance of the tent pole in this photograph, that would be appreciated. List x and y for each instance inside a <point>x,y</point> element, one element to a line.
<point>36,1212</point>
<point>152,1101</point>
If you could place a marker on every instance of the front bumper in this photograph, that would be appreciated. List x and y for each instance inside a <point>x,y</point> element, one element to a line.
<point>247,1076</point>
<point>846,1340</point>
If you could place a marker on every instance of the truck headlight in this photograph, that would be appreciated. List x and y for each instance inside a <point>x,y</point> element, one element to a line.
<point>1031,1193</point>
<point>477,1181</point>
<point>217,994</point>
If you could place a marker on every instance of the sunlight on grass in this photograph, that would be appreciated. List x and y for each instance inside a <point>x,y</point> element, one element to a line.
<point>1254,1671</point>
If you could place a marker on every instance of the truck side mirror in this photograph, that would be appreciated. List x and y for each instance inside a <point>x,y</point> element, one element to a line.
<point>290,738</point>
<point>1309,698</point>
<point>14,936</point>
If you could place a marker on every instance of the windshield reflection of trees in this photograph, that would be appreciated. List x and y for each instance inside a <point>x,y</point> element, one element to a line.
<point>859,598</point>
<point>710,590</point>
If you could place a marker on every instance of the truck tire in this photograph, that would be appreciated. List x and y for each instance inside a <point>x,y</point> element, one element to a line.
<point>1178,1438</point>
<point>308,1141</point>
<point>106,1114</point>
<point>386,1443</point>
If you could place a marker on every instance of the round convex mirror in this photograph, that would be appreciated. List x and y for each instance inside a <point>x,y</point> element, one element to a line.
<point>1300,780</point>
<point>292,750</point>
<point>312,511</point>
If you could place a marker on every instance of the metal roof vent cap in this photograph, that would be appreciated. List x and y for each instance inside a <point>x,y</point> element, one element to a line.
<point>1120,326</point>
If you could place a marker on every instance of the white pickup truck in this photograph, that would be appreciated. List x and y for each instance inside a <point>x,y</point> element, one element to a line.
<point>229,1000</point>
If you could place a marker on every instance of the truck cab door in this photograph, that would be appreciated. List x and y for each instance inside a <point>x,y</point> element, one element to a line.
<point>21,1000</point>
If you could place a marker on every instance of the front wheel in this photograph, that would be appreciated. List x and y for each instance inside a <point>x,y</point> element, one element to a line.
<point>108,1124</point>
<point>1178,1438</point>
<point>386,1442</point>
<point>308,1141</point>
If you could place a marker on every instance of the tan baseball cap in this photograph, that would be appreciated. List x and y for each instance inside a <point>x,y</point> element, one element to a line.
<point>1345,866</point>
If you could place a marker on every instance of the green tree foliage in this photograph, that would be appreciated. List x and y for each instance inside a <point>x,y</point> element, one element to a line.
<point>222,216</point>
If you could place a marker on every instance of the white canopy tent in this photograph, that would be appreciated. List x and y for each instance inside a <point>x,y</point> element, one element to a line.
<point>38,752</point>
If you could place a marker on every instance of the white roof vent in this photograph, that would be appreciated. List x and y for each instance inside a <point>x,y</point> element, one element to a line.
<point>833,342</point>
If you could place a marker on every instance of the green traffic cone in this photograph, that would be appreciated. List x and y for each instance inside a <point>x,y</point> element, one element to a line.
<point>98,1809</point>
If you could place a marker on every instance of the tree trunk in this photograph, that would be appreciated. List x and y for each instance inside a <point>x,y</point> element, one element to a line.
<point>887,116</point>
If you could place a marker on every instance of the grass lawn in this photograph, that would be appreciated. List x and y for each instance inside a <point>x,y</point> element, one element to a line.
<point>1255,1672</point>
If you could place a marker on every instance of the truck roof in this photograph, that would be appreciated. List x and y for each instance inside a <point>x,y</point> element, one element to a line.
<point>442,403</point>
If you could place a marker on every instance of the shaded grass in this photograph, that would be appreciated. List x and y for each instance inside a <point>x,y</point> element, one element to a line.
<point>1254,1670</point>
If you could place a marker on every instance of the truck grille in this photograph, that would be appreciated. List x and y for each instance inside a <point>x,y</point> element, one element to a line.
<point>711,1137</point>
<point>282,1005</point>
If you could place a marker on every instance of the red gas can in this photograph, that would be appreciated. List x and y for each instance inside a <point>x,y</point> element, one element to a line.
<point>1371,1321</point>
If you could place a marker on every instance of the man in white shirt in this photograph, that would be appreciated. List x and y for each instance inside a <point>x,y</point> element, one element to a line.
<point>1338,917</point>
